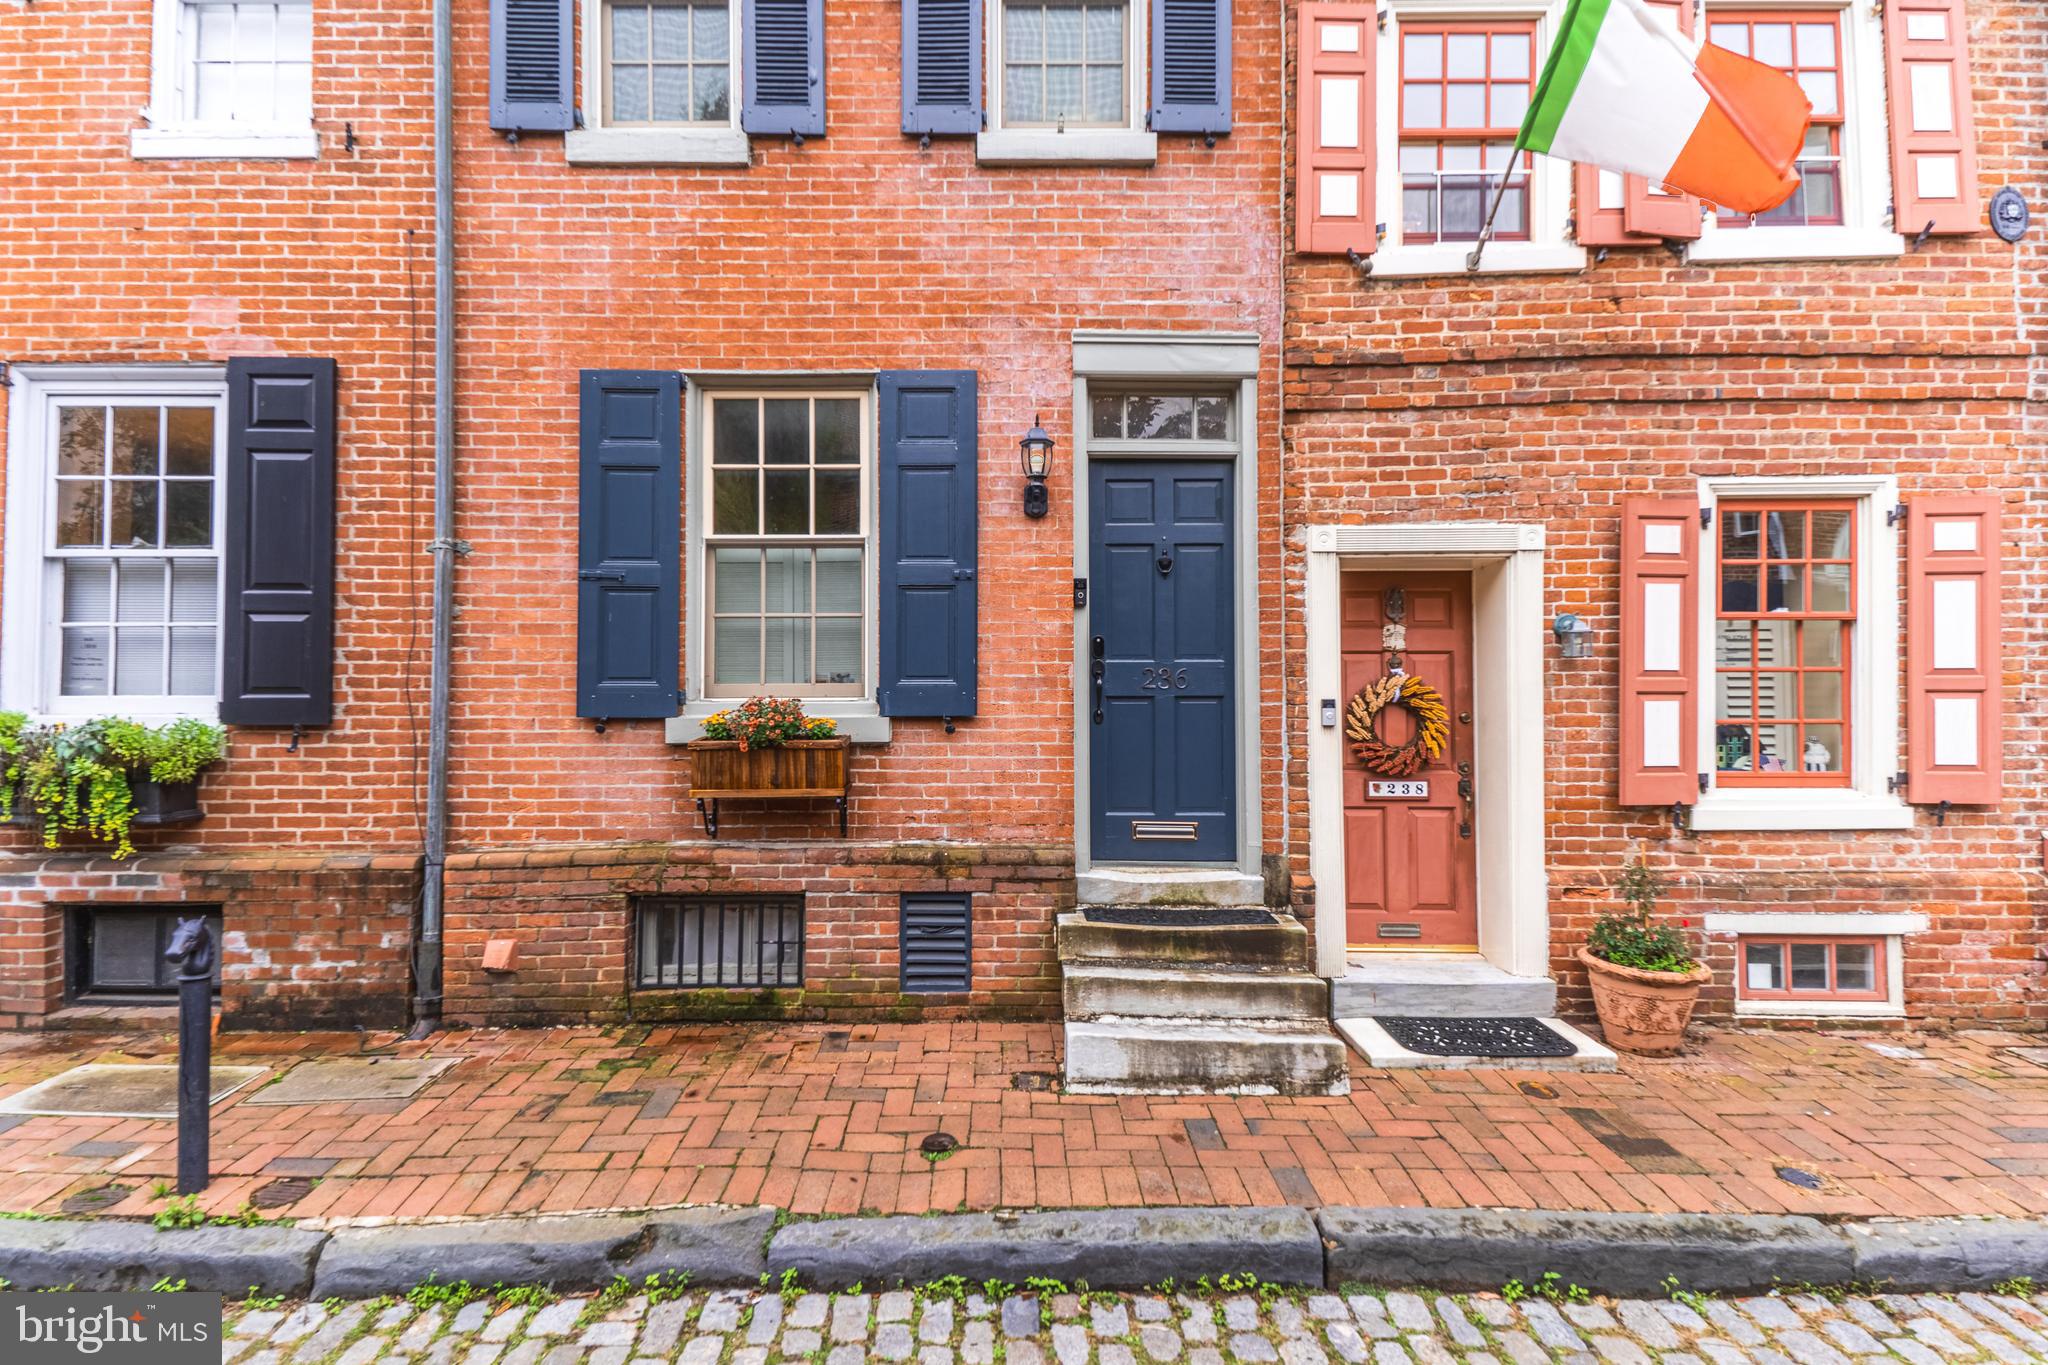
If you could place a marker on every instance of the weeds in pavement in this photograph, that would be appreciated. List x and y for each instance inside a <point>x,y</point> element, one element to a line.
<point>1691,1298</point>
<point>2018,1287</point>
<point>432,1293</point>
<point>1550,1286</point>
<point>261,1301</point>
<point>181,1212</point>
<point>167,1285</point>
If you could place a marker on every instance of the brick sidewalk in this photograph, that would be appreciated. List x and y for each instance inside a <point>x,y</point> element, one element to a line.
<point>828,1120</point>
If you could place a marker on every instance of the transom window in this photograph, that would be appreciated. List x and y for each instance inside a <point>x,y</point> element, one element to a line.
<point>1789,969</point>
<point>1464,90</point>
<point>245,63</point>
<point>135,573</point>
<point>1159,416</point>
<point>1066,64</point>
<point>668,63</point>
<point>786,551</point>
<point>1784,624</point>
<point>1808,47</point>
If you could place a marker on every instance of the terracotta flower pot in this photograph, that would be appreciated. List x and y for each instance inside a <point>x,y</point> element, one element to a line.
<point>1643,1012</point>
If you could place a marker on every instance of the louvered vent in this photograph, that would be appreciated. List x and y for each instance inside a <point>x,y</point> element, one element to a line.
<point>937,935</point>
<point>945,60</point>
<point>782,53</point>
<point>1187,51</point>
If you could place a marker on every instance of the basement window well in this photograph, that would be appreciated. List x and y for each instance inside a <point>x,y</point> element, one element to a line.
<point>711,942</point>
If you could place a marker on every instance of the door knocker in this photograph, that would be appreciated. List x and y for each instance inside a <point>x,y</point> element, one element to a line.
<point>1165,562</point>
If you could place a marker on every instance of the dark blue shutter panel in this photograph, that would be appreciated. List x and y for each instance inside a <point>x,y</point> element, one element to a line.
<point>942,66</point>
<point>629,556</point>
<point>533,77</point>
<point>935,944</point>
<point>1191,71</point>
<point>277,646</point>
<point>784,67</point>
<point>930,550</point>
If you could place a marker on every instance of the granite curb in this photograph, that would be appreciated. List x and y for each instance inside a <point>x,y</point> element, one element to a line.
<point>1107,1248</point>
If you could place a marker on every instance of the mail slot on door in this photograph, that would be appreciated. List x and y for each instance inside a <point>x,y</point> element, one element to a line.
<point>1397,790</point>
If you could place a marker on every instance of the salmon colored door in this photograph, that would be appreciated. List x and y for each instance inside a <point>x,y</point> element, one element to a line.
<point>1409,871</point>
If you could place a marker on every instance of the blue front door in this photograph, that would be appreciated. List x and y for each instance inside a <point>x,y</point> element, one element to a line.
<point>1162,700</point>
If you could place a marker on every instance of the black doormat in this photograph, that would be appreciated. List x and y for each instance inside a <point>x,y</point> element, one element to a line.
<point>1192,918</point>
<point>1489,1037</point>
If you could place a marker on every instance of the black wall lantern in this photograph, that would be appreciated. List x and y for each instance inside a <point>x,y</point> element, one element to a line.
<point>1036,452</point>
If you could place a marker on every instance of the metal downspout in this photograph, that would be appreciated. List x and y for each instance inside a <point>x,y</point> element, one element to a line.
<point>427,942</point>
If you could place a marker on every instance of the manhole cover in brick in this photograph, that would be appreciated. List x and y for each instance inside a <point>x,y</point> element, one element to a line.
<point>129,1092</point>
<point>278,1193</point>
<point>1032,1080</point>
<point>96,1200</point>
<point>341,1079</point>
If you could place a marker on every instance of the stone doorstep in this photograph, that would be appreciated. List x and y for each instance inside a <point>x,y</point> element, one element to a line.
<point>1169,885</point>
<point>1437,986</point>
<point>1154,1056</point>
<point>1092,990</point>
<point>1281,944</point>
<point>1380,1051</point>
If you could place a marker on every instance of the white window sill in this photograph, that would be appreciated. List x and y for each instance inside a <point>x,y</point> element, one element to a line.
<point>1812,924</point>
<point>193,143</point>
<point>1500,258</point>
<point>1042,146</point>
<point>1794,244</point>
<point>1818,1009</point>
<point>1811,809</point>
<point>657,147</point>
<point>859,721</point>
<point>111,708</point>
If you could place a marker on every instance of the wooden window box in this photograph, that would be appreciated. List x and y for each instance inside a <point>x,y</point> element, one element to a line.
<point>799,769</point>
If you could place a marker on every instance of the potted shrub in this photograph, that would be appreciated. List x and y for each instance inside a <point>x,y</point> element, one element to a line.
<point>1645,977</point>
<point>767,747</point>
<point>103,777</point>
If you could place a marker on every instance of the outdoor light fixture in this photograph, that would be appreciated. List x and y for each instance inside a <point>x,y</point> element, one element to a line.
<point>1574,636</point>
<point>1036,452</point>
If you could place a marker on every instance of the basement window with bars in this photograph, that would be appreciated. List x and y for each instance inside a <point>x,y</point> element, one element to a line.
<point>706,942</point>
<point>117,955</point>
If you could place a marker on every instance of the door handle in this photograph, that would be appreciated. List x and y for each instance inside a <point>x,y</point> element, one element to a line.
<point>1097,668</point>
<point>601,576</point>
<point>1465,795</point>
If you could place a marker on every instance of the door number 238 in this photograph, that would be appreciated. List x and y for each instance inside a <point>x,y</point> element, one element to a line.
<point>1163,679</point>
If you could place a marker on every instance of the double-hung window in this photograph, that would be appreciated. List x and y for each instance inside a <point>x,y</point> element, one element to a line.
<point>1066,81</point>
<point>664,77</point>
<point>1464,89</point>
<point>785,549</point>
<point>1808,48</point>
<point>230,78</point>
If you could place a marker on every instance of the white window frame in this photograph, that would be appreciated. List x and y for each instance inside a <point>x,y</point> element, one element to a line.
<point>1130,143</point>
<point>29,661</point>
<point>171,134</point>
<point>1875,671</point>
<point>860,718</point>
<point>1866,231</point>
<point>694,144</point>
<point>1549,248</point>
<point>1891,927</point>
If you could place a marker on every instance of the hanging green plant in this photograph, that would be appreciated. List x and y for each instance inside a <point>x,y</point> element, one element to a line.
<point>80,778</point>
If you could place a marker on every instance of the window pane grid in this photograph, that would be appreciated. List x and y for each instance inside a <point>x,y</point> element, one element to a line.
<point>1159,416</point>
<point>247,62</point>
<point>668,63</point>
<point>1464,90</point>
<point>1064,63</point>
<point>1812,968</point>
<point>1783,664</point>
<point>1806,46</point>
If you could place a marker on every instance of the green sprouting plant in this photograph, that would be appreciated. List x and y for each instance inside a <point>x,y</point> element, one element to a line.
<point>1691,1298</point>
<point>79,777</point>
<point>522,1295</point>
<point>254,1300</point>
<point>1632,938</point>
<point>997,1289</point>
<point>952,1287</point>
<point>2018,1287</point>
<point>1514,1291</point>
<point>181,1212</point>
<point>161,1190</point>
<point>167,1285</point>
<point>789,1288</point>
<point>451,1296</point>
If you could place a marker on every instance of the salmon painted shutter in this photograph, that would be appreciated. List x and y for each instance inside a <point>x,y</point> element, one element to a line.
<point>1333,172</point>
<point>1636,214</point>
<point>1934,140</point>
<point>1660,648</point>
<point>1953,683</point>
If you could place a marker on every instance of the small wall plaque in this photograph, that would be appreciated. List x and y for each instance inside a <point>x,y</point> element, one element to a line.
<point>2009,214</point>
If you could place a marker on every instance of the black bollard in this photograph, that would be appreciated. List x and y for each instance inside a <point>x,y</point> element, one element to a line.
<point>192,949</point>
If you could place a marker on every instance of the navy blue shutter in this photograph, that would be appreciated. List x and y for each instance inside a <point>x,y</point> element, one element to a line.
<point>1191,71</point>
<point>930,543</point>
<point>942,66</point>
<point>533,78</point>
<point>629,555</point>
<point>784,67</point>
<point>277,646</point>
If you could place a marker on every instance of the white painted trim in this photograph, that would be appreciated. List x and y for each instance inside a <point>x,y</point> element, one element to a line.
<point>1045,146</point>
<point>1499,258</point>
<point>1506,561</point>
<point>1820,1009</point>
<point>1795,244</point>
<point>657,147</point>
<point>193,144</point>
<point>600,144</point>
<point>1874,711</point>
<point>1166,355</point>
<point>170,135</point>
<point>27,663</point>
<point>859,721</point>
<point>1814,923</point>
<point>990,144</point>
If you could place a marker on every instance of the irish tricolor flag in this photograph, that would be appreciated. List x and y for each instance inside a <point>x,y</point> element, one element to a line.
<point>1623,90</point>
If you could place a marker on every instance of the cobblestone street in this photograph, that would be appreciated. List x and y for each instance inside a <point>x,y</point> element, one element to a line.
<point>950,1325</point>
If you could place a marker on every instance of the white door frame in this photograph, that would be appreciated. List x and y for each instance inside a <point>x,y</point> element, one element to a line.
<point>1505,560</point>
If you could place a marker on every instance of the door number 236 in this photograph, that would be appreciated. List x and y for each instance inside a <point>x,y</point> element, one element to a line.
<point>1163,679</point>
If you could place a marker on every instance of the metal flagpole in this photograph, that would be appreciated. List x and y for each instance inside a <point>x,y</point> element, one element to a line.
<point>1500,192</point>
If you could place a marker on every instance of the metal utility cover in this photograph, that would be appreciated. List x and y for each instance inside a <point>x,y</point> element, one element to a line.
<point>341,1079</point>
<point>128,1092</point>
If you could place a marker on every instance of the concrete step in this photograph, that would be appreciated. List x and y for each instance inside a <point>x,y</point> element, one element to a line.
<point>1438,986</point>
<point>1282,943</point>
<point>1092,990</point>
<point>1373,1043</point>
<point>1203,1057</point>
<point>1167,884</point>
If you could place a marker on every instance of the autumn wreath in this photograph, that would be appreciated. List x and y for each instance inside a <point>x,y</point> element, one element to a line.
<point>1432,724</point>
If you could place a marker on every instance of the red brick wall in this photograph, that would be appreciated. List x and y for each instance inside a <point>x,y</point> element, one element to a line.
<point>1550,398</point>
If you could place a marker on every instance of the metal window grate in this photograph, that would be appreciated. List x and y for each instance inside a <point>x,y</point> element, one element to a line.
<point>747,942</point>
<point>937,944</point>
<point>120,953</point>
